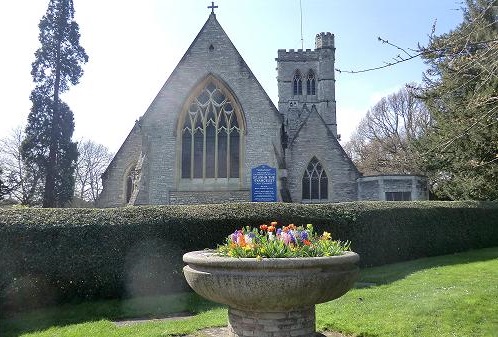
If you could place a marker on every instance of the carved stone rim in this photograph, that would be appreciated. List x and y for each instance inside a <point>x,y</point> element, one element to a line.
<point>209,258</point>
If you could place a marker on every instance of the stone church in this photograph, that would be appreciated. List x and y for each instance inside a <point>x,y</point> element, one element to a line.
<point>213,135</point>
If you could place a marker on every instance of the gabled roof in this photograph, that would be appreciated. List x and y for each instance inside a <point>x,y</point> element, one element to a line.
<point>213,24</point>
<point>210,24</point>
<point>314,112</point>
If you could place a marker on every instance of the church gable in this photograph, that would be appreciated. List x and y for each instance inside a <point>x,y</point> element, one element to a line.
<point>319,170</point>
<point>204,130</point>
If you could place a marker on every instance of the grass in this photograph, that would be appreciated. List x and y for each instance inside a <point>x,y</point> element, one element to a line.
<point>96,318</point>
<point>452,295</point>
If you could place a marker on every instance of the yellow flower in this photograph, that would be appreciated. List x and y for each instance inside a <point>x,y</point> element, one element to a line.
<point>326,236</point>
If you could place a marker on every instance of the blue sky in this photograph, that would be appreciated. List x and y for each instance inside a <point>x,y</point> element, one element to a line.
<point>133,46</point>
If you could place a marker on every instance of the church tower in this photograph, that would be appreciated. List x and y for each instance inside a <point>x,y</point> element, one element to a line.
<point>306,79</point>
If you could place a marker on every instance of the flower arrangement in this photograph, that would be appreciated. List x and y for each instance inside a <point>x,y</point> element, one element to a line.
<point>272,241</point>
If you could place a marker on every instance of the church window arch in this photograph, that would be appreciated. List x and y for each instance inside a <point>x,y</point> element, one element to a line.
<point>297,83</point>
<point>315,182</point>
<point>311,83</point>
<point>211,129</point>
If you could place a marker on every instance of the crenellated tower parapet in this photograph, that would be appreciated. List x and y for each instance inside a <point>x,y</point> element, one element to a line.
<point>324,40</point>
<point>299,55</point>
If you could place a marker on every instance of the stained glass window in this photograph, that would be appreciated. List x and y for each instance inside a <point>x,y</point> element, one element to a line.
<point>211,136</point>
<point>315,181</point>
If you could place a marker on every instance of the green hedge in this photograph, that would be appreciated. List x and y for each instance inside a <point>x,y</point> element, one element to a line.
<point>58,255</point>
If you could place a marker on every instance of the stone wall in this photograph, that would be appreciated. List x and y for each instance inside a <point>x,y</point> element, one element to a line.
<point>271,324</point>
<point>114,178</point>
<point>315,139</point>
<point>208,197</point>
<point>375,187</point>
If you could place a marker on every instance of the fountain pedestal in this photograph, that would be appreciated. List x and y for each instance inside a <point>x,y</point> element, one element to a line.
<point>270,297</point>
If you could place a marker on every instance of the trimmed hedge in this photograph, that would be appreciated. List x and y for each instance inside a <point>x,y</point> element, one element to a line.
<point>58,255</point>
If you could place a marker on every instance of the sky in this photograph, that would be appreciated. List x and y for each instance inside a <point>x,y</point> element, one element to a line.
<point>134,45</point>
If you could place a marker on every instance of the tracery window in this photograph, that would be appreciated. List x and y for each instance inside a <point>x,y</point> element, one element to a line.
<point>311,83</point>
<point>297,83</point>
<point>211,135</point>
<point>315,181</point>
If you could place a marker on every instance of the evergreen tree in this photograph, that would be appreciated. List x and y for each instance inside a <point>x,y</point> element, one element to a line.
<point>461,93</point>
<point>58,64</point>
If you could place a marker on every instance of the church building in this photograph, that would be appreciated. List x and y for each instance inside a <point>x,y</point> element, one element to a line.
<point>213,135</point>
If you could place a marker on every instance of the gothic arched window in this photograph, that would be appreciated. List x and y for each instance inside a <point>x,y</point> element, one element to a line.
<point>297,83</point>
<point>311,83</point>
<point>315,181</point>
<point>210,134</point>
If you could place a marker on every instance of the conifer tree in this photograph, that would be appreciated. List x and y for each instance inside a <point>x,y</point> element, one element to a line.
<point>58,64</point>
<point>461,93</point>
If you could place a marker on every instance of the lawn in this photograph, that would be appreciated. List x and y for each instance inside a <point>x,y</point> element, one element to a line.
<point>452,295</point>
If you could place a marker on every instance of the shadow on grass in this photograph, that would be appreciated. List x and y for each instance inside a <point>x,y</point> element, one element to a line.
<point>16,324</point>
<point>393,272</point>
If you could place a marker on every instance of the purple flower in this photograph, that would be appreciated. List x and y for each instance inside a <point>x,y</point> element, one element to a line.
<point>286,238</point>
<point>293,238</point>
<point>304,235</point>
<point>235,235</point>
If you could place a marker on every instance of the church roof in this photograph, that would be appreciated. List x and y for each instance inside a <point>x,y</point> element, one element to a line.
<point>213,28</point>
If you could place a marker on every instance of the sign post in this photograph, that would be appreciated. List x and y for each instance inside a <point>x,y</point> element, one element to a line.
<point>264,184</point>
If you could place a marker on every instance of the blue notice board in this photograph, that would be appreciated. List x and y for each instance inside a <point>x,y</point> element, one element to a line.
<point>264,183</point>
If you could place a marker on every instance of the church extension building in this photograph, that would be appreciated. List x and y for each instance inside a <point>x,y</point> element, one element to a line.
<point>212,124</point>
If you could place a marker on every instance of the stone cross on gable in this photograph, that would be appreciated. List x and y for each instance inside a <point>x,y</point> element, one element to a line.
<point>212,7</point>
